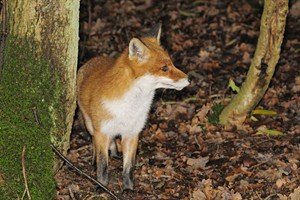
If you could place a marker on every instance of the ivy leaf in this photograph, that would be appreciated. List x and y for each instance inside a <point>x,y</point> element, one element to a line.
<point>264,112</point>
<point>270,132</point>
<point>233,86</point>
<point>253,118</point>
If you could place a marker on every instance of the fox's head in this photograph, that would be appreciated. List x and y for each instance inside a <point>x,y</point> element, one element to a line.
<point>148,58</point>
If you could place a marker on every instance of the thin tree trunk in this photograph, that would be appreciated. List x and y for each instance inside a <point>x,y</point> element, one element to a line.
<point>263,64</point>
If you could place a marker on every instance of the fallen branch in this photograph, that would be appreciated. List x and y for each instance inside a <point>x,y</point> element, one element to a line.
<point>82,173</point>
<point>24,172</point>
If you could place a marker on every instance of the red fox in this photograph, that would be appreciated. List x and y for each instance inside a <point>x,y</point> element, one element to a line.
<point>115,95</point>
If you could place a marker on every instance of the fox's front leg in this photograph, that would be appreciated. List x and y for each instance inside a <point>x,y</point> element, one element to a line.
<point>129,148</point>
<point>101,144</point>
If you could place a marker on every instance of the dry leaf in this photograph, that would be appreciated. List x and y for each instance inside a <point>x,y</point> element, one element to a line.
<point>211,66</point>
<point>296,194</point>
<point>295,10</point>
<point>157,174</point>
<point>203,55</point>
<point>270,174</point>
<point>208,189</point>
<point>198,162</point>
<point>198,195</point>
<point>244,185</point>
<point>194,129</point>
<point>246,57</point>
<point>282,197</point>
<point>160,135</point>
<point>236,196</point>
<point>203,112</point>
<point>280,183</point>
<point>231,178</point>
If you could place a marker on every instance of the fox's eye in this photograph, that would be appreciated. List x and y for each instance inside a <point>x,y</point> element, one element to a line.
<point>164,68</point>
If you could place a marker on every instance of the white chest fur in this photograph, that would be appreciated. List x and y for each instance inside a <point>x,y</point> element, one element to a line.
<point>129,113</point>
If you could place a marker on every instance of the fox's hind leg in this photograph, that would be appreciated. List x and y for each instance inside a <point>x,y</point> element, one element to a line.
<point>101,143</point>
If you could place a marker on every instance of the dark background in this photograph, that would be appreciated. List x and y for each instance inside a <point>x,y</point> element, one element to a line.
<point>181,154</point>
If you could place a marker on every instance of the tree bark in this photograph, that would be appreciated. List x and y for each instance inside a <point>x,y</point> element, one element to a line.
<point>37,91</point>
<point>263,64</point>
<point>53,25</point>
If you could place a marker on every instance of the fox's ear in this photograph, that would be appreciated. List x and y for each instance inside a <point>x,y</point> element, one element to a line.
<point>155,32</point>
<point>137,50</point>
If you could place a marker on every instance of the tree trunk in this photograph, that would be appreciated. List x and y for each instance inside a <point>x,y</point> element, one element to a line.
<point>263,64</point>
<point>37,92</point>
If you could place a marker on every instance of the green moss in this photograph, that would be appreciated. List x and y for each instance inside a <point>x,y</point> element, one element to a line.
<point>27,82</point>
<point>216,110</point>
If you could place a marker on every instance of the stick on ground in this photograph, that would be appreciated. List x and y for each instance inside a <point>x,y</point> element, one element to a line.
<point>82,173</point>
<point>24,172</point>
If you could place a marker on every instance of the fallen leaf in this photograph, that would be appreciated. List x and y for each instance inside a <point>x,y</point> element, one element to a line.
<point>201,115</point>
<point>270,132</point>
<point>236,196</point>
<point>198,162</point>
<point>233,86</point>
<point>270,174</point>
<point>208,189</point>
<point>244,185</point>
<point>296,194</point>
<point>295,10</point>
<point>160,135</point>
<point>264,112</point>
<point>280,183</point>
<point>211,65</point>
<point>246,57</point>
<point>157,174</point>
<point>203,55</point>
<point>160,185</point>
<point>194,129</point>
<point>231,178</point>
<point>198,195</point>
<point>244,47</point>
<point>282,197</point>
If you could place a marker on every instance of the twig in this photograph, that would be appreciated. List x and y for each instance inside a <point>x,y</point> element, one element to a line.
<point>36,115</point>
<point>197,142</point>
<point>95,197</point>
<point>258,195</point>
<point>187,100</point>
<point>24,193</point>
<point>3,36</point>
<point>83,173</point>
<point>257,165</point>
<point>72,194</point>
<point>270,196</point>
<point>24,173</point>
<point>187,13</point>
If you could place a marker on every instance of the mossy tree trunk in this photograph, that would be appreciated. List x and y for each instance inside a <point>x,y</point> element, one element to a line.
<point>263,64</point>
<point>37,92</point>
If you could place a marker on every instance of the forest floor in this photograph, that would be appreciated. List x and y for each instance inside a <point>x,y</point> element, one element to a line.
<point>181,153</point>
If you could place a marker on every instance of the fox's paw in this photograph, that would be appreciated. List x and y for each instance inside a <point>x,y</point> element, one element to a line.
<point>127,183</point>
